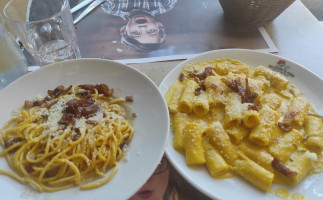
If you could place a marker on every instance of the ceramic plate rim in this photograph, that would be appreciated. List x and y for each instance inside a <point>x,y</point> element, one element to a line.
<point>142,79</point>
<point>203,57</point>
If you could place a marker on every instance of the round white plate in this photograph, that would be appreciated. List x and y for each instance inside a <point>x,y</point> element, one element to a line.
<point>236,188</point>
<point>151,124</point>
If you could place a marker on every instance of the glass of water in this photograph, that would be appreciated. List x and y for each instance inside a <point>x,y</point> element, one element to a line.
<point>13,63</point>
<point>45,28</point>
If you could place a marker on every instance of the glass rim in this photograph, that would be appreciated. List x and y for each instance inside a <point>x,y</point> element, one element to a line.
<point>66,3</point>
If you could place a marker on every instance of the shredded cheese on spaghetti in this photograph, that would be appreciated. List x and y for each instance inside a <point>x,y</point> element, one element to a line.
<point>70,138</point>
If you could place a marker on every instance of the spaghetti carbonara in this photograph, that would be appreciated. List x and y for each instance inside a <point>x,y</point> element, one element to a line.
<point>71,137</point>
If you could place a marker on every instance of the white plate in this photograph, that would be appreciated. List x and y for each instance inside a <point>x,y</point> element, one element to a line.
<point>151,124</point>
<point>236,188</point>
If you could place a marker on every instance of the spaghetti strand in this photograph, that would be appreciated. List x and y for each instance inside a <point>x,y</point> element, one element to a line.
<point>73,135</point>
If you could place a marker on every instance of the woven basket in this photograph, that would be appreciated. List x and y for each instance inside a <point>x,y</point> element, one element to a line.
<point>253,12</point>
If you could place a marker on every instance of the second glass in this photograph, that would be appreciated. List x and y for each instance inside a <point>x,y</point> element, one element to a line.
<point>45,27</point>
<point>13,63</point>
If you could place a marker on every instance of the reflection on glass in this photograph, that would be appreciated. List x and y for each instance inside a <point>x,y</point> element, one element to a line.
<point>12,62</point>
<point>45,28</point>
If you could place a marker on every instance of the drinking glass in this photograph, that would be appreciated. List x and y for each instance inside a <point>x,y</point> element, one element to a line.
<point>45,28</point>
<point>13,64</point>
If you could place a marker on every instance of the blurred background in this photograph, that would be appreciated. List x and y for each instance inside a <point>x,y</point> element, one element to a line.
<point>316,8</point>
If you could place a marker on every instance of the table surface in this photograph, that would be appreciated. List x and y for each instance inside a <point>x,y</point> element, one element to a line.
<point>297,34</point>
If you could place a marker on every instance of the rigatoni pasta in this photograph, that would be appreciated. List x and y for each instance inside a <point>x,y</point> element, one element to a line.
<point>193,147</point>
<point>221,141</point>
<point>300,164</point>
<point>173,96</point>
<point>264,133</point>
<point>214,162</point>
<point>251,118</point>
<point>178,123</point>
<point>201,104</point>
<point>314,132</point>
<point>286,145</point>
<point>247,121</point>
<point>253,172</point>
<point>185,104</point>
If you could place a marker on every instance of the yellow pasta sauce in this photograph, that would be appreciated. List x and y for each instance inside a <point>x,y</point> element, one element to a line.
<point>251,122</point>
<point>285,194</point>
<point>298,196</point>
<point>72,137</point>
<point>282,193</point>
